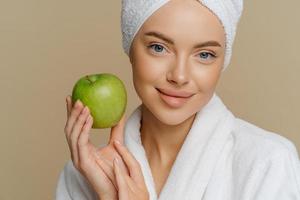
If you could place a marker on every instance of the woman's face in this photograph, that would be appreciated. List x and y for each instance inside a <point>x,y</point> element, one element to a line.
<point>180,49</point>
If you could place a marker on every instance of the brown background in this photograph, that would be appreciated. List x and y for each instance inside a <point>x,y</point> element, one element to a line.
<point>45,46</point>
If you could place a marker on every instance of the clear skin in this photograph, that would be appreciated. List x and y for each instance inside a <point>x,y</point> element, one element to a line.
<point>175,66</point>
<point>155,64</point>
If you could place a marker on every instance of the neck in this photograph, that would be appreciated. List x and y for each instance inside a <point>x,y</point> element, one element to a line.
<point>161,141</point>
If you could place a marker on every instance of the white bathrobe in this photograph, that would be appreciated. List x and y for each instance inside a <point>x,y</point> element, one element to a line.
<point>222,158</point>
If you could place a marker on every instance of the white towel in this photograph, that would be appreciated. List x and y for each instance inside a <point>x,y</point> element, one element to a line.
<point>135,12</point>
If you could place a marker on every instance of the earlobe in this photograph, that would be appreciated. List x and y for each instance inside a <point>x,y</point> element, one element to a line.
<point>130,57</point>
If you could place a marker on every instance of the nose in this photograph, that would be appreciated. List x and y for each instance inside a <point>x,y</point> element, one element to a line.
<point>178,73</point>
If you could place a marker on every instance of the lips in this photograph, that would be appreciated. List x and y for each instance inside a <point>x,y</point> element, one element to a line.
<point>174,99</point>
<point>173,93</point>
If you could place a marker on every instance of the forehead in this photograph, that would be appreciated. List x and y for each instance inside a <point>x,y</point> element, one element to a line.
<point>185,19</point>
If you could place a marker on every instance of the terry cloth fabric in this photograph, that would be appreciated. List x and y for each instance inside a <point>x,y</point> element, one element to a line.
<point>222,158</point>
<point>135,12</point>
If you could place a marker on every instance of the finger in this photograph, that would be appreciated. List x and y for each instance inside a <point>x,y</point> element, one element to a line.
<point>69,105</point>
<point>133,165</point>
<point>96,175</point>
<point>117,132</point>
<point>106,167</point>
<point>121,181</point>
<point>76,110</point>
<point>70,122</point>
<point>68,114</point>
<point>83,140</point>
<point>83,137</point>
<point>77,128</point>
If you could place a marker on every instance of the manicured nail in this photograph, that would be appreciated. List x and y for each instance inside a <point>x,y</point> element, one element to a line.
<point>96,154</point>
<point>77,103</point>
<point>84,109</point>
<point>89,118</point>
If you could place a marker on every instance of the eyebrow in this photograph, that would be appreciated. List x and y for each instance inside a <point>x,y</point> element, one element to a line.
<point>170,41</point>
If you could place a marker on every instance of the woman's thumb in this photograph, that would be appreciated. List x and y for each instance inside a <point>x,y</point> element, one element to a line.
<point>117,131</point>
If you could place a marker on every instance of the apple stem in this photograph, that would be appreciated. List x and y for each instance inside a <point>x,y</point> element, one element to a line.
<point>89,79</point>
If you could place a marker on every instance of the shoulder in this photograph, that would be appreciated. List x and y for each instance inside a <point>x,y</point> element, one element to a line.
<point>72,184</point>
<point>254,147</point>
<point>255,144</point>
<point>264,158</point>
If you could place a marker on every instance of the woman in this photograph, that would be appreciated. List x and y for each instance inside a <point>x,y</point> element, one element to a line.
<point>181,142</point>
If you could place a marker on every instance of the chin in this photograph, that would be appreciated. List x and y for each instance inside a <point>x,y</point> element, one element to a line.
<point>173,121</point>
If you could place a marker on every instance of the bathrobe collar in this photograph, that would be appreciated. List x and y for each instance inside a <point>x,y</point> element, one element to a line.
<point>197,157</point>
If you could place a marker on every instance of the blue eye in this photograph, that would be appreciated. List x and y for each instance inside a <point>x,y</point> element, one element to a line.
<point>204,55</point>
<point>157,48</point>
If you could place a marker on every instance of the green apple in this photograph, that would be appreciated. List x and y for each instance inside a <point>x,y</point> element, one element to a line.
<point>105,96</point>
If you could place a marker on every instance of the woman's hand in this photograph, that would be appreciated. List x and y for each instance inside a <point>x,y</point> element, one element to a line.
<point>93,163</point>
<point>130,186</point>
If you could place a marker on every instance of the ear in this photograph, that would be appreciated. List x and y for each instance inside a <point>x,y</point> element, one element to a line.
<point>131,55</point>
<point>131,61</point>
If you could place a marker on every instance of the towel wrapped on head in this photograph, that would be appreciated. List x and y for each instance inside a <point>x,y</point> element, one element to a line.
<point>135,12</point>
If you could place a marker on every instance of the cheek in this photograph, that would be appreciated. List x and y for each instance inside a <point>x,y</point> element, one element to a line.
<point>147,69</point>
<point>146,75</point>
<point>206,80</point>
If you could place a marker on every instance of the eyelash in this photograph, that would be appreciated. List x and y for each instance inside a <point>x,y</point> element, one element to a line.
<point>153,45</point>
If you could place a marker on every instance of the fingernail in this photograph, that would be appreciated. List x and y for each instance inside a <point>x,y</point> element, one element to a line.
<point>96,154</point>
<point>89,118</point>
<point>117,142</point>
<point>77,103</point>
<point>117,160</point>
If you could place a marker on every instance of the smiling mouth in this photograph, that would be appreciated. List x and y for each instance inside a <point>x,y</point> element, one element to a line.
<point>175,94</point>
<point>173,101</point>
